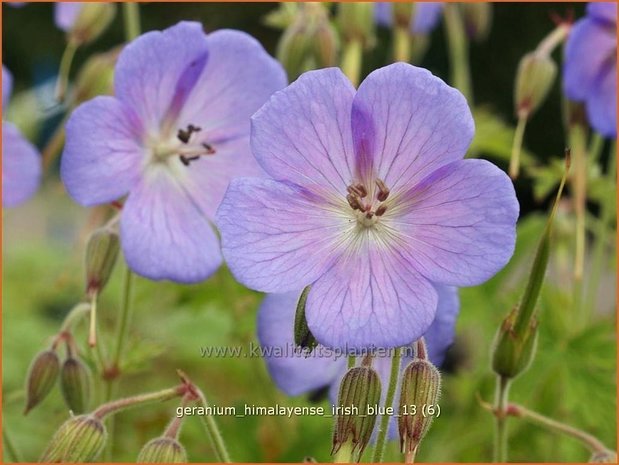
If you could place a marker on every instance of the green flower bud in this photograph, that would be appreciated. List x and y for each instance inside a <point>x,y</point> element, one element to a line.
<point>163,450</point>
<point>513,353</point>
<point>92,21</point>
<point>535,76</point>
<point>303,337</point>
<point>293,49</point>
<point>75,384</point>
<point>325,44</point>
<point>356,22</point>
<point>419,394</point>
<point>477,19</point>
<point>96,76</point>
<point>41,378</point>
<point>358,397</point>
<point>79,439</point>
<point>101,253</point>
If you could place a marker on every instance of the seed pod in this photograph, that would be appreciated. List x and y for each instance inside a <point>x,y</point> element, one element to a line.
<point>359,394</point>
<point>421,388</point>
<point>75,384</point>
<point>356,22</point>
<point>96,76</point>
<point>535,76</point>
<point>101,253</point>
<point>163,450</point>
<point>325,43</point>
<point>41,378</point>
<point>303,337</point>
<point>92,20</point>
<point>512,353</point>
<point>477,19</point>
<point>79,439</point>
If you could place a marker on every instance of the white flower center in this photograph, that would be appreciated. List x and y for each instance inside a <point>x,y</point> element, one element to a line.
<point>368,204</point>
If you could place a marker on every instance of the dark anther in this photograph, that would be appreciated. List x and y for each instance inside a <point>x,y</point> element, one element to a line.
<point>209,148</point>
<point>354,202</point>
<point>380,211</point>
<point>357,189</point>
<point>185,134</point>
<point>369,215</point>
<point>383,191</point>
<point>187,160</point>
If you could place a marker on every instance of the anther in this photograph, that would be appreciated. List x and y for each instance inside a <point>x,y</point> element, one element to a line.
<point>380,211</point>
<point>187,160</point>
<point>209,148</point>
<point>354,202</point>
<point>185,134</point>
<point>383,190</point>
<point>369,215</point>
<point>357,190</point>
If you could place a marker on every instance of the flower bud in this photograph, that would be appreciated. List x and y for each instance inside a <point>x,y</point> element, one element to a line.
<point>101,253</point>
<point>325,44</point>
<point>303,337</point>
<point>358,397</point>
<point>96,76</point>
<point>356,22</point>
<point>79,439</point>
<point>535,76</point>
<point>41,378</point>
<point>293,49</point>
<point>75,384</point>
<point>512,353</point>
<point>163,450</point>
<point>92,20</point>
<point>477,19</point>
<point>419,394</point>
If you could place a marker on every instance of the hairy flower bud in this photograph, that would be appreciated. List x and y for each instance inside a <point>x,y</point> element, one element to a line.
<point>419,394</point>
<point>357,400</point>
<point>477,19</point>
<point>356,22</point>
<point>512,353</point>
<point>92,20</point>
<point>293,49</point>
<point>535,76</point>
<point>101,253</point>
<point>325,44</point>
<point>163,450</point>
<point>79,439</point>
<point>75,384</point>
<point>96,76</point>
<point>303,337</point>
<point>41,377</point>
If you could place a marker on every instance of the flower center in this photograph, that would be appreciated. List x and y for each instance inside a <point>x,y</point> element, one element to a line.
<point>184,145</point>
<point>368,208</point>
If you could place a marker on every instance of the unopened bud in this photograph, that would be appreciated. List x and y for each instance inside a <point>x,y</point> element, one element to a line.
<point>535,76</point>
<point>75,384</point>
<point>326,44</point>
<point>293,49</point>
<point>477,19</point>
<point>513,352</point>
<point>358,397</point>
<point>356,22</point>
<point>79,439</point>
<point>419,394</point>
<point>303,337</point>
<point>92,20</point>
<point>101,253</point>
<point>96,76</point>
<point>163,450</point>
<point>41,378</point>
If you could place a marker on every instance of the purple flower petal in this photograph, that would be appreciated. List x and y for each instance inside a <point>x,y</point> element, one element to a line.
<point>408,123</point>
<point>440,334</point>
<point>294,373</point>
<point>7,86</point>
<point>426,16</point>
<point>164,235</point>
<point>267,228</point>
<point>383,13</point>
<point>102,155</point>
<point>65,14</point>
<point>602,103</point>
<point>589,47</point>
<point>460,223</point>
<point>21,167</point>
<point>303,134</point>
<point>604,11</point>
<point>371,296</point>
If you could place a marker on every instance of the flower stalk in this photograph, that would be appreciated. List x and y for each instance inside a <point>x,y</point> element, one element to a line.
<point>458,50</point>
<point>65,69</point>
<point>131,14</point>
<point>352,59</point>
<point>401,44</point>
<point>500,437</point>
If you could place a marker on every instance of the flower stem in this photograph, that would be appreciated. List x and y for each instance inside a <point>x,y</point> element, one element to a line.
<point>514,162</point>
<point>409,456</point>
<point>74,314</point>
<point>458,50</point>
<point>210,426</point>
<point>116,406</point>
<point>344,454</point>
<point>401,44</point>
<point>54,145</point>
<point>351,60</point>
<point>500,437</point>
<point>577,140</point>
<point>591,442</point>
<point>125,318</point>
<point>384,421</point>
<point>131,12</point>
<point>351,361</point>
<point>9,446</point>
<point>65,69</point>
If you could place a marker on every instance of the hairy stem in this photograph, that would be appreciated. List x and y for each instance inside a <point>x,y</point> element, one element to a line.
<point>500,409</point>
<point>210,426</point>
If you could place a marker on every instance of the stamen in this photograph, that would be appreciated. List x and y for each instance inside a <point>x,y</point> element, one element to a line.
<point>357,190</point>
<point>380,211</point>
<point>209,148</point>
<point>354,202</point>
<point>383,190</point>
<point>185,134</point>
<point>187,160</point>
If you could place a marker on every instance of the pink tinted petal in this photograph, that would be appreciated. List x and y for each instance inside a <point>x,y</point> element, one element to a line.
<point>372,296</point>
<point>21,167</point>
<point>157,72</point>
<point>164,235</point>
<point>605,11</point>
<point>275,236</point>
<point>293,372</point>
<point>65,14</point>
<point>238,79</point>
<point>458,226</point>
<point>426,16</point>
<point>303,134</point>
<point>440,334</point>
<point>102,156</point>
<point>602,103</point>
<point>408,123</point>
<point>7,86</point>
